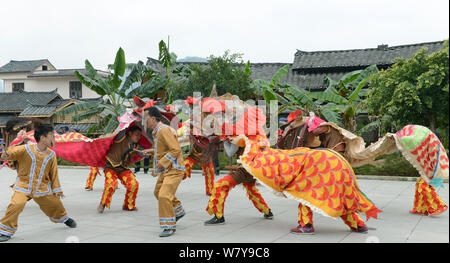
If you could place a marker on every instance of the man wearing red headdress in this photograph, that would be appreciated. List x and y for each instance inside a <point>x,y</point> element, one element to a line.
<point>249,123</point>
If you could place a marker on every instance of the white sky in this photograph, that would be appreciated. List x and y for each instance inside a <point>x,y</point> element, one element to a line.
<point>68,32</point>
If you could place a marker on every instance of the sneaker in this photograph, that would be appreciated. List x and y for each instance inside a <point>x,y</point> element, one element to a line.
<point>361,229</point>
<point>440,211</point>
<point>167,232</point>
<point>306,230</point>
<point>269,215</point>
<point>180,216</point>
<point>4,238</point>
<point>215,221</point>
<point>70,223</point>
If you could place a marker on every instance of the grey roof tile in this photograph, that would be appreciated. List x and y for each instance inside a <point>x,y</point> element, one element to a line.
<point>18,101</point>
<point>381,56</point>
<point>21,66</point>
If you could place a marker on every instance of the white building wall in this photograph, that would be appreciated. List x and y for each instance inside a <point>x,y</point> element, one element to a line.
<point>45,84</point>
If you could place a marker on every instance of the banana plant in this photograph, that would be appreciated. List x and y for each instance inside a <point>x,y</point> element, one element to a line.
<point>111,89</point>
<point>352,88</point>
<point>155,81</point>
<point>324,105</point>
<point>268,89</point>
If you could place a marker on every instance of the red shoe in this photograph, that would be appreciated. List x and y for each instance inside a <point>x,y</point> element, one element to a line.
<point>303,230</point>
<point>439,211</point>
<point>361,229</point>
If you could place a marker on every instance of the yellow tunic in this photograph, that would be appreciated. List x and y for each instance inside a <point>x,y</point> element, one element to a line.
<point>167,150</point>
<point>37,173</point>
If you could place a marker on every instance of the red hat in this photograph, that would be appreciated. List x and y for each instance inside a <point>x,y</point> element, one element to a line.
<point>294,115</point>
<point>211,105</point>
<point>191,101</point>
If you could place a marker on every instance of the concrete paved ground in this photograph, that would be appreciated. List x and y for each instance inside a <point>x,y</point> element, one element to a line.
<point>243,222</point>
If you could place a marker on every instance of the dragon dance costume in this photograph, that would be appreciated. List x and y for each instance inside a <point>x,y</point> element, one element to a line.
<point>205,158</point>
<point>167,152</point>
<point>222,188</point>
<point>320,180</point>
<point>419,145</point>
<point>116,167</point>
<point>94,171</point>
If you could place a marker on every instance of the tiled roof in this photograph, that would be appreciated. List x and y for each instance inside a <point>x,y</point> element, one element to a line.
<point>22,66</point>
<point>50,108</point>
<point>18,101</point>
<point>358,58</point>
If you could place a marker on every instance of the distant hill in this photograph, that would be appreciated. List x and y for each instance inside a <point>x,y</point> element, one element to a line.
<point>192,59</point>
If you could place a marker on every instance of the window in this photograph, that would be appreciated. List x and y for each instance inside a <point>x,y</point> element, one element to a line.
<point>44,67</point>
<point>75,89</point>
<point>18,86</point>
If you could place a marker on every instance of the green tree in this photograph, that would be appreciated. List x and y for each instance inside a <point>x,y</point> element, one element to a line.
<point>228,72</point>
<point>414,91</point>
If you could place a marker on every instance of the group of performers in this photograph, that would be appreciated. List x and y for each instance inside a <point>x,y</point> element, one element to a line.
<point>312,165</point>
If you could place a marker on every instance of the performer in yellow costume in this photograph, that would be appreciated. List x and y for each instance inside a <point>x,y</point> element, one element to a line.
<point>37,179</point>
<point>168,165</point>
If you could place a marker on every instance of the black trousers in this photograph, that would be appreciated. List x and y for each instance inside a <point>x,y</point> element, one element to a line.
<point>146,165</point>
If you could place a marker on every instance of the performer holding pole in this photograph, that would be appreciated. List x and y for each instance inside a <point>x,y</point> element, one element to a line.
<point>168,165</point>
<point>37,179</point>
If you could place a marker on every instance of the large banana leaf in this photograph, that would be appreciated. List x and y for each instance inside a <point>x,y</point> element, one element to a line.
<point>269,96</point>
<point>115,83</point>
<point>111,126</point>
<point>119,63</point>
<point>133,77</point>
<point>149,88</point>
<point>331,84</point>
<point>79,107</point>
<point>361,81</point>
<point>259,86</point>
<point>370,127</point>
<point>87,114</point>
<point>350,77</point>
<point>328,97</point>
<point>90,83</point>
<point>330,115</point>
<point>302,96</point>
<point>93,74</point>
<point>282,99</point>
<point>280,74</point>
<point>166,58</point>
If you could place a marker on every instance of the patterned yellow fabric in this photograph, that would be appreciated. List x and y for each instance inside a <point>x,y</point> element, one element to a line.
<point>426,200</point>
<point>321,179</point>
